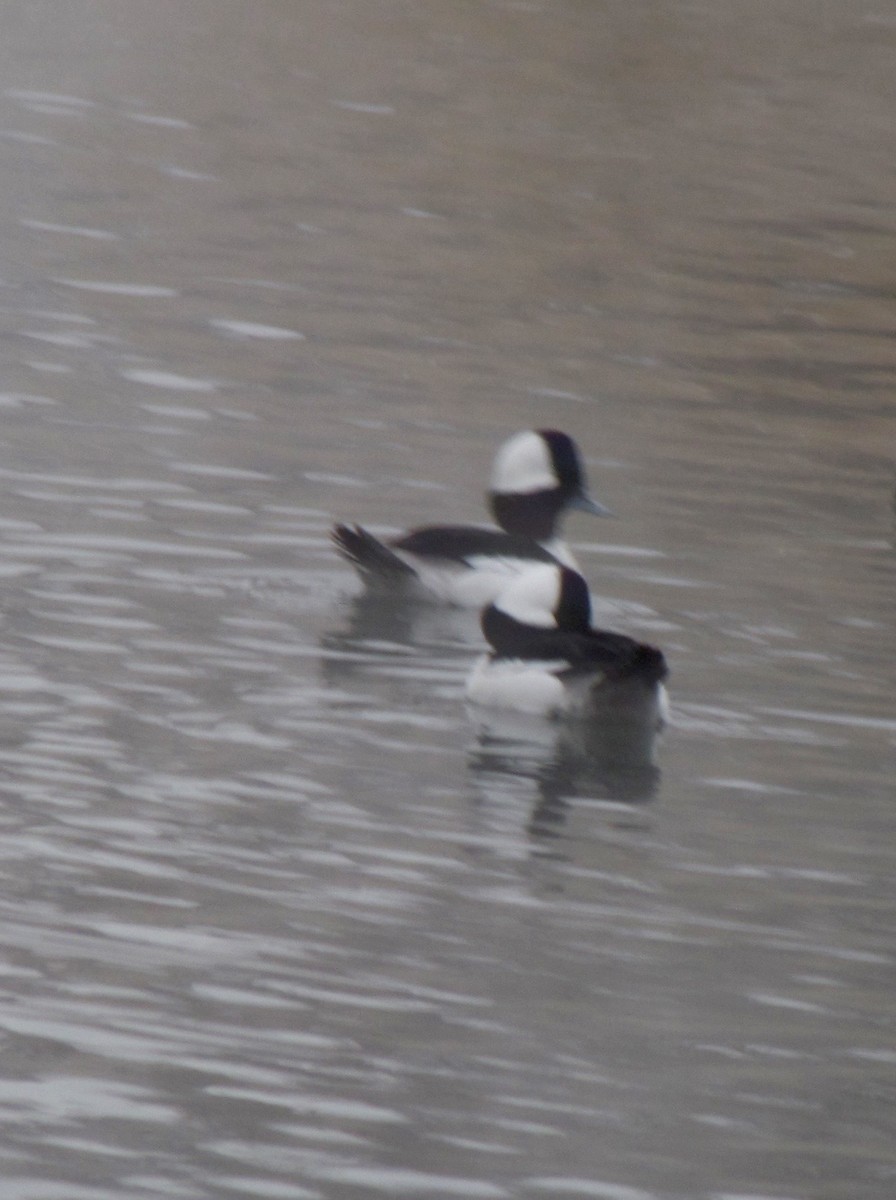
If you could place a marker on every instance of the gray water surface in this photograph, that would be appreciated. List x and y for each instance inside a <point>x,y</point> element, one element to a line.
<point>280,917</point>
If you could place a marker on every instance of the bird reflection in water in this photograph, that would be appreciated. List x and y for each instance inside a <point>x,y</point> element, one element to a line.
<point>376,628</point>
<point>609,759</point>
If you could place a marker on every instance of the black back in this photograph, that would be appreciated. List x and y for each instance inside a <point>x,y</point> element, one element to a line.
<point>614,654</point>
<point>460,543</point>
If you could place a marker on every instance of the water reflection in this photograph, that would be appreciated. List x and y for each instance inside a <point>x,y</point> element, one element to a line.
<point>399,658</point>
<point>372,618</point>
<point>610,760</point>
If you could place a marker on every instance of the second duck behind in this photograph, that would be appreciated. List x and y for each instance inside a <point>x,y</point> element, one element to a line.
<point>537,476</point>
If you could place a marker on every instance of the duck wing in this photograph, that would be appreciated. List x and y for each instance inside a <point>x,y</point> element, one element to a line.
<point>614,655</point>
<point>467,543</point>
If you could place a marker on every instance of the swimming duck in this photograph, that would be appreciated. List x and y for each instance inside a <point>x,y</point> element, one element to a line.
<point>546,658</point>
<point>536,477</point>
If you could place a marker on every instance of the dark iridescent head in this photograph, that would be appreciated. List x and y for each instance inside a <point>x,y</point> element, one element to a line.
<point>537,475</point>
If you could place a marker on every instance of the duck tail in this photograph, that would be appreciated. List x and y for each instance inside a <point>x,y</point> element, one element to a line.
<point>371,556</point>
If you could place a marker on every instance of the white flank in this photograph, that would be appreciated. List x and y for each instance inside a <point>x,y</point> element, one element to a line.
<point>520,685</point>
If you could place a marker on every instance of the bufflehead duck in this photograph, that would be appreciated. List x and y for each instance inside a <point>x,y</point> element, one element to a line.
<point>537,475</point>
<point>546,658</point>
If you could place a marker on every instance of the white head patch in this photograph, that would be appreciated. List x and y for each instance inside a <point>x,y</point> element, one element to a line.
<point>533,596</point>
<point>523,464</point>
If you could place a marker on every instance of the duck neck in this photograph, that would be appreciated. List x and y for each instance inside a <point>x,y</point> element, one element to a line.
<point>532,515</point>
